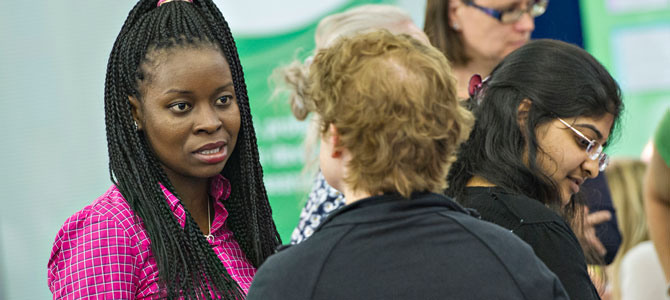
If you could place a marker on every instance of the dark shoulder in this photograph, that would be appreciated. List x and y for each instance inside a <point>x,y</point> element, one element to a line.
<point>493,236</point>
<point>531,276</point>
<point>550,237</point>
<point>303,262</point>
<point>507,209</point>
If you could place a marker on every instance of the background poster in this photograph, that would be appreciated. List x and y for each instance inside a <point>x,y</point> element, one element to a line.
<point>632,39</point>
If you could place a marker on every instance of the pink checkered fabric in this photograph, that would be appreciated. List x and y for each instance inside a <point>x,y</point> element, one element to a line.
<point>102,253</point>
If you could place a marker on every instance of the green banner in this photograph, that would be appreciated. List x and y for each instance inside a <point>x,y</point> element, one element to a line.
<point>280,135</point>
<point>632,39</point>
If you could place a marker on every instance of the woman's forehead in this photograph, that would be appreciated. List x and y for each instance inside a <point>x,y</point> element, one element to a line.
<point>597,127</point>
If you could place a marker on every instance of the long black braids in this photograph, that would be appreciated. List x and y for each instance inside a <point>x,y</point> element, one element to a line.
<point>261,211</point>
<point>188,267</point>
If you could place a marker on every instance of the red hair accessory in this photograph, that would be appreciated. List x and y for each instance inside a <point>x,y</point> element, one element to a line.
<point>476,84</point>
<point>161,2</point>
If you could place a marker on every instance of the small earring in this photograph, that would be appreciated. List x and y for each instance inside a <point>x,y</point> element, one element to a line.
<point>456,27</point>
<point>136,127</point>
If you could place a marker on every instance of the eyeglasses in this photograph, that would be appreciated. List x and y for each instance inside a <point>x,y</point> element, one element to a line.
<point>593,148</point>
<point>535,8</point>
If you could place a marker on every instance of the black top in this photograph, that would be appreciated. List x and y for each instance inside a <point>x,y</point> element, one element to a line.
<point>543,229</point>
<point>386,247</point>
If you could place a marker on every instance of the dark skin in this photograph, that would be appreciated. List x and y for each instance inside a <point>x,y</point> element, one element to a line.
<point>190,117</point>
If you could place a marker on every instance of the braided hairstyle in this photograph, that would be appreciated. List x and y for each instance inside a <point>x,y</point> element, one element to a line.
<point>187,265</point>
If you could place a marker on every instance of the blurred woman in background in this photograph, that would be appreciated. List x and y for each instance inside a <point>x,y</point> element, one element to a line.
<point>475,35</point>
<point>636,271</point>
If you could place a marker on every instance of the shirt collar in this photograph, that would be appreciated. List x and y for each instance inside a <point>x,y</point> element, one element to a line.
<point>390,206</point>
<point>219,190</point>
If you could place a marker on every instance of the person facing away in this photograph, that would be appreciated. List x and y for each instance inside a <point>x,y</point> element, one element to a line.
<point>390,125</point>
<point>187,215</point>
<point>324,199</point>
<point>543,118</point>
<point>475,35</point>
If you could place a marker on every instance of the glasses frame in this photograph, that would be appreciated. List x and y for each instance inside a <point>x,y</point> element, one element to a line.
<point>536,9</point>
<point>594,150</point>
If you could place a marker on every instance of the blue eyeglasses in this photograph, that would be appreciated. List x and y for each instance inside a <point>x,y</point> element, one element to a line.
<point>535,8</point>
<point>593,148</point>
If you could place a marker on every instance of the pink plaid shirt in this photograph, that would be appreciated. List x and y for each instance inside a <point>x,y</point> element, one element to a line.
<point>102,253</point>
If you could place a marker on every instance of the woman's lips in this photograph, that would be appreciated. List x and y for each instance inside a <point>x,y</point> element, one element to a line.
<point>575,183</point>
<point>574,187</point>
<point>212,153</point>
<point>519,43</point>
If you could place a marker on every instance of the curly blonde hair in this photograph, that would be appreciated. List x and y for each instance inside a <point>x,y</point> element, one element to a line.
<point>393,102</point>
<point>359,19</point>
<point>293,78</point>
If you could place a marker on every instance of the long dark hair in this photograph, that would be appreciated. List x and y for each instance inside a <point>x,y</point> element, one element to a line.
<point>561,80</point>
<point>187,265</point>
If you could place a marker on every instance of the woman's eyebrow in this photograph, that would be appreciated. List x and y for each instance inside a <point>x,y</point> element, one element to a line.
<point>510,6</point>
<point>177,91</point>
<point>218,90</point>
<point>224,87</point>
<point>593,128</point>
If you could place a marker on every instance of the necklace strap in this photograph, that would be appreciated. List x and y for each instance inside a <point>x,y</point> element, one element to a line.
<point>209,236</point>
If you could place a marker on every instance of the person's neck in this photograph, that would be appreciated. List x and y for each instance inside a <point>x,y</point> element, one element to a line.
<point>464,72</point>
<point>193,193</point>
<point>352,196</point>
<point>479,181</point>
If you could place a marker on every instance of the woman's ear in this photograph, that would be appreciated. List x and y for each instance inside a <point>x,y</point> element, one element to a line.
<point>137,112</point>
<point>522,112</point>
<point>454,16</point>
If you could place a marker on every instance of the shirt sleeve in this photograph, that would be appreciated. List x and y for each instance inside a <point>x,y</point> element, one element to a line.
<point>270,284</point>
<point>558,248</point>
<point>93,257</point>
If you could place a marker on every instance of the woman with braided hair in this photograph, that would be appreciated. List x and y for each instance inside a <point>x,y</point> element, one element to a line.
<point>187,215</point>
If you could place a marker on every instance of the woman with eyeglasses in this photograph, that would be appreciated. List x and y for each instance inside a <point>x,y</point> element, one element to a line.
<point>543,118</point>
<point>475,35</point>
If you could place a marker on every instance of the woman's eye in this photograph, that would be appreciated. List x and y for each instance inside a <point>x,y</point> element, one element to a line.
<point>511,8</point>
<point>180,107</point>
<point>583,142</point>
<point>224,100</point>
